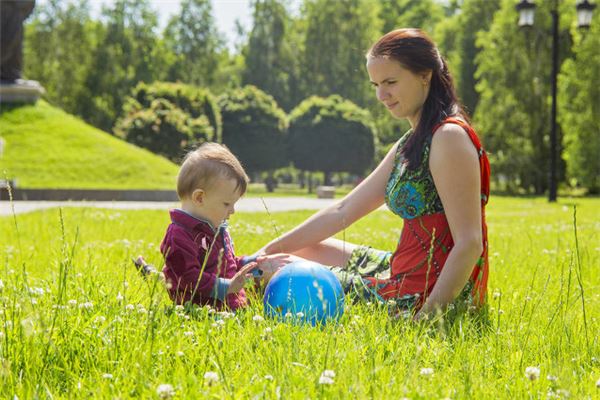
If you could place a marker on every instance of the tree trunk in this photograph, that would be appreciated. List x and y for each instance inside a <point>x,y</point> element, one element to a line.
<point>327,178</point>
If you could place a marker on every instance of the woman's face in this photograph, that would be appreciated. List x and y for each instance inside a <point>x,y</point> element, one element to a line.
<point>400,90</point>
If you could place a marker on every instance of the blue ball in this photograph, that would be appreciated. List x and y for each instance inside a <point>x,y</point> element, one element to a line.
<point>304,287</point>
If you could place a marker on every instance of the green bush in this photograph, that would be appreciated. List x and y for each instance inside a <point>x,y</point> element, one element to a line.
<point>254,128</point>
<point>193,100</point>
<point>331,135</point>
<point>164,129</point>
<point>169,118</point>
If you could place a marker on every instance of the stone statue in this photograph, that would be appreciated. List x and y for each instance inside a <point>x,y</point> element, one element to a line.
<point>12,87</point>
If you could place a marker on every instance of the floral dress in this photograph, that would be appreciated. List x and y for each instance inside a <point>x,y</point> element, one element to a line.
<point>406,276</point>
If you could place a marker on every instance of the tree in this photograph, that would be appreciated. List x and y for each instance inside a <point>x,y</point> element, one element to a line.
<point>579,111</point>
<point>254,129</point>
<point>331,135</point>
<point>193,39</point>
<point>338,34</point>
<point>128,52</point>
<point>423,14</point>
<point>456,37</point>
<point>57,50</point>
<point>272,64</point>
<point>513,114</point>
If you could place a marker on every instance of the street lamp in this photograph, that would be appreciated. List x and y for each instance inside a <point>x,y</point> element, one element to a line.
<point>526,9</point>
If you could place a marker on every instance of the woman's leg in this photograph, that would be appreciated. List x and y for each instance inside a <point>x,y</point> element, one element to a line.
<point>330,251</point>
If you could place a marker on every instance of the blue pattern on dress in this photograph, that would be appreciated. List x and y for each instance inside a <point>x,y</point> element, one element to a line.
<point>411,193</point>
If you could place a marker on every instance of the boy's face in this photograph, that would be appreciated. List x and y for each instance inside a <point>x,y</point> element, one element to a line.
<point>217,203</point>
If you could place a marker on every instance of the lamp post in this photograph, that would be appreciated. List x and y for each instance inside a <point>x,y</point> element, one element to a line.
<point>526,9</point>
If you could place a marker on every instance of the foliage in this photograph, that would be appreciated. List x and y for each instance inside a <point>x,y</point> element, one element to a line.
<point>169,118</point>
<point>57,52</point>
<point>513,114</point>
<point>254,128</point>
<point>272,62</point>
<point>331,135</point>
<point>338,35</point>
<point>580,109</point>
<point>89,65</point>
<point>456,36</point>
<point>192,38</point>
<point>128,52</point>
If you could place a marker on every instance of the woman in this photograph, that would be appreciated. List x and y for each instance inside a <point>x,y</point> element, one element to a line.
<point>436,178</point>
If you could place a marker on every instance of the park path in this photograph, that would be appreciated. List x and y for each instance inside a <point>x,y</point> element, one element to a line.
<point>250,204</point>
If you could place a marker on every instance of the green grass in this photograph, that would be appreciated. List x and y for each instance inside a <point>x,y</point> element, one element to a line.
<point>48,148</point>
<point>53,344</point>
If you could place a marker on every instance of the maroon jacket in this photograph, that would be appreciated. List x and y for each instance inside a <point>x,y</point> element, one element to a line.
<point>185,249</point>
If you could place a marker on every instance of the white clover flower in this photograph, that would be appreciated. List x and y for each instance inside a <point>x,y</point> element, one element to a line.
<point>225,314</point>
<point>87,305</point>
<point>119,297</point>
<point>268,330</point>
<point>100,319</point>
<point>165,391</point>
<point>426,371</point>
<point>141,310</point>
<point>257,318</point>
<point>130,307</point>
<point>300,314</point>
<point>325,380</point>
<point>179,307</point>
<point>552,378</point>
<point>36,291</point>
<point>288,315</point>
<point>497,294</point>
<point>269,377</point>
<point>211,377</point>
<point>188,334</point>
<point>180,354</point>
<point>107,376</point>
<point>532,373</point>
<point>328,373</point>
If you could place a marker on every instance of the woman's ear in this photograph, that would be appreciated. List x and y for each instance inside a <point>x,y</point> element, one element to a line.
<point>198,196</point>
<point>426,77</point>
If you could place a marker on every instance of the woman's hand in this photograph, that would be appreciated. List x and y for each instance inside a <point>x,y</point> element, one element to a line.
<point>270,264</point>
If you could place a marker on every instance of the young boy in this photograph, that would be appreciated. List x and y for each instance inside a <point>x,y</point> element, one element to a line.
<point>200,264</point>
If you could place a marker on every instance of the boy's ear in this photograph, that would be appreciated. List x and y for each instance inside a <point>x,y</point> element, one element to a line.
<point>198,196</point>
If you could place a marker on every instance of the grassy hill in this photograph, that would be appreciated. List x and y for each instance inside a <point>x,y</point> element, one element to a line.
<point>48,148</point>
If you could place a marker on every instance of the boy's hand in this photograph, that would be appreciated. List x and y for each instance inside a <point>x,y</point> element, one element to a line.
<point>239,279</point>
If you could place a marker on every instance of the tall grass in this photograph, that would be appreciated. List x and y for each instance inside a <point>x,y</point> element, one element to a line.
<point>77,321</point>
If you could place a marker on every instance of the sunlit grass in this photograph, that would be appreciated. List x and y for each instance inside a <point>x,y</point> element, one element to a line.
<point>77,321</point>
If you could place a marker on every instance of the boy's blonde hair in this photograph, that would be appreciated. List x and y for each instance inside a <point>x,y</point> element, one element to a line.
<point>203,166</point>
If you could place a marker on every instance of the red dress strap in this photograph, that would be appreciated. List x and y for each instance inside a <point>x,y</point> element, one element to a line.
<point>484,162</point>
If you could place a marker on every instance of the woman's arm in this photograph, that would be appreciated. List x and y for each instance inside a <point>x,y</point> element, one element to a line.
<point>454,165</point>
<point>366,197</point>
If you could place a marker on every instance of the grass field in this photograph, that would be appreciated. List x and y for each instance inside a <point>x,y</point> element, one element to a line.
<point>76,321</point>
<point>48,148</point>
